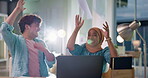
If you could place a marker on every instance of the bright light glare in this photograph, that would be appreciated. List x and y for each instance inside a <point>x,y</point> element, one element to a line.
<point>61,33</point>
<point>56,53</point>
<point>51,36</point>
<point>51,75</point>
<point>120,39</point>
<point>136,43</point>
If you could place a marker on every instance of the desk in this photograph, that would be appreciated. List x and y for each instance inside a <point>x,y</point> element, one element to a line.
<point>134,54</point>
<point>124,73</point>
<point>121,73</point>
<point>137,55</point>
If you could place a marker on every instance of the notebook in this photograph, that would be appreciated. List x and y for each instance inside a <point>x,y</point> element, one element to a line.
<point>79,66</point>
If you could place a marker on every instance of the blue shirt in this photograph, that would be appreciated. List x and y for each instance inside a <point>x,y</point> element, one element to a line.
<point>19,52</point>
<point>81,50</point>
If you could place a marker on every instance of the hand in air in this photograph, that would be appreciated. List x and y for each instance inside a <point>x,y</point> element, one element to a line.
<point>20,5</point>
<point>78,21</point>
<point>106,28</point>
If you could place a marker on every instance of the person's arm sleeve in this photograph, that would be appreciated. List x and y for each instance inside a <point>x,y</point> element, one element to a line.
<point>77,50</point>
<point>107,55</point>
<point>8,36</point>
<point>49,63</point>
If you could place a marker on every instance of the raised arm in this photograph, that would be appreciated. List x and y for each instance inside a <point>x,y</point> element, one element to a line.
<point>78,22</point>
<point>18,9</point>
<point>112,49</point>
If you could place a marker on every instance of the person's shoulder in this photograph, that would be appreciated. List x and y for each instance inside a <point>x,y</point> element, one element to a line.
<point>83,45</point>
<point>79,46</point>
<point>5,23</point>
<point>106,49</point>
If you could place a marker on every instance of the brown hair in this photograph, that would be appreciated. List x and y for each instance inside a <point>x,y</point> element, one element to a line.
<point>28,19</point>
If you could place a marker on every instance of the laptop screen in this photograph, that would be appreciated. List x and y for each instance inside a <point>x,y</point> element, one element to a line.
<point>79,66</point>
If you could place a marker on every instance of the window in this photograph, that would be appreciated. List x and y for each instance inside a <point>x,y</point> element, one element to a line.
<point>125,14</point>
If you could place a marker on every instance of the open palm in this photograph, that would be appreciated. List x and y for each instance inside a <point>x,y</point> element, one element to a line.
<point>78,21</point>
<point>20,4</point>
<point>106,28</point>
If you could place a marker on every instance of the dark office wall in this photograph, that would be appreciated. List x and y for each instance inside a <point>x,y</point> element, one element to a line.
<point>3,7</point>
<point>6,7</point>
<point>11,6</point>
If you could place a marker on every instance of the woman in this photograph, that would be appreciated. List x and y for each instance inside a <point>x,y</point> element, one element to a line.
<point>94,41</point>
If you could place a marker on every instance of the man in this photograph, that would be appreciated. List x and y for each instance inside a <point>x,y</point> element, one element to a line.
<point>29,55</point>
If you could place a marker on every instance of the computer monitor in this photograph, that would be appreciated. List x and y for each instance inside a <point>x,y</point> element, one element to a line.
<point>79,66</point>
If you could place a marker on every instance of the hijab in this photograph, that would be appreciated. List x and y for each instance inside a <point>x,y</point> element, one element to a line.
<point>101,39</point>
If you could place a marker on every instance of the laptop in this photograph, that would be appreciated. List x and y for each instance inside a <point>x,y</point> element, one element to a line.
<point>79,66</point>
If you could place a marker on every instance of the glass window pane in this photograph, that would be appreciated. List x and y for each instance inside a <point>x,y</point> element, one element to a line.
<point>125,10</point>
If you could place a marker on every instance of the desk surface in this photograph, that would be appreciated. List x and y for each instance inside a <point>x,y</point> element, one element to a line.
<point>134,54</point>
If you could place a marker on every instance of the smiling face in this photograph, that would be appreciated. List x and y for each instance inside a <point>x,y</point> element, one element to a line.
<point>33,30</point>
<point>28,20</point>
<point>93,38</point>
<point>29,25</point>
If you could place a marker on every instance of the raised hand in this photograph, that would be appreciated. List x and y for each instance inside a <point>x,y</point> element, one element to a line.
<point>106,28</point>
<point>18,9</point>
<point>113,51</point>
<point>78,21</point>
<point>19,5</point>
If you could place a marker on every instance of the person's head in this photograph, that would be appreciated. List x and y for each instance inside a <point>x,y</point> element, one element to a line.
<point>95,37</point>
<point>30,24</point>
